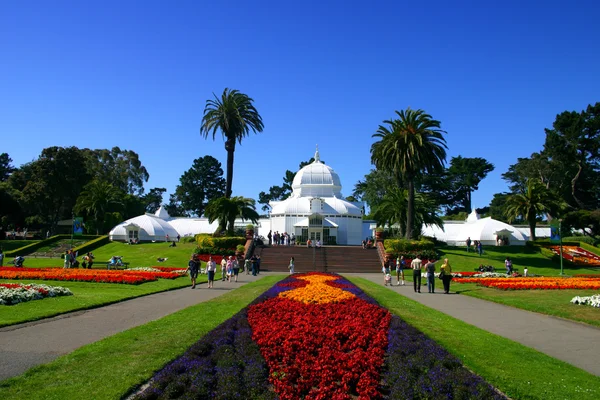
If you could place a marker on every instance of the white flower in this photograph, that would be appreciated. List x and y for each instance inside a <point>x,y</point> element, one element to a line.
<point>11,294</point>
<point>593,301</point>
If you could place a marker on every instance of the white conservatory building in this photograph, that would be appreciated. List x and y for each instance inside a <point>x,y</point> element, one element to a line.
<point>317,210</point>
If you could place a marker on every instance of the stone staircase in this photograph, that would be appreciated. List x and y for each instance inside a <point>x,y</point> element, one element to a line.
<point>325,259</point>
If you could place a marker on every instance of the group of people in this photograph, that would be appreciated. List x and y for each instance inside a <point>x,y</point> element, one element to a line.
<point>281,239</point>
<point>476,244</point>
<point>310,243</point>
<point>367,243</point>
<point>70,260</point>
<point>417,266</point>
<point>230,268</point>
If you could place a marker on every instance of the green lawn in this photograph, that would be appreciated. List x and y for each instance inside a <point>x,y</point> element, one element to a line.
<point>518,371</point>
<point>139,255</point>
<point>85,295</point>
<point>521,256</point>
<point>112,367</point>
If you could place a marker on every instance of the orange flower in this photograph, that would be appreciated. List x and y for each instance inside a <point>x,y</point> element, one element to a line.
<point>318,291</point>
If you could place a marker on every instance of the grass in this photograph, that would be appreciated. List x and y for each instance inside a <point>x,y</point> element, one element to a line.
<point>85,296</point>
<point>549,302</point>
<point>537,263</point>
<point>139,255</point>
<point>112,367</point>
<point>518,371</point>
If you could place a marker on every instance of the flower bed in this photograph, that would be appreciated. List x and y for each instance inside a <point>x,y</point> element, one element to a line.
<point>577,255</point>
<point>85,275</point>
<point>316,336</point>
<point>593,301</point>
<point>534,283</point>
<point>14,293</point>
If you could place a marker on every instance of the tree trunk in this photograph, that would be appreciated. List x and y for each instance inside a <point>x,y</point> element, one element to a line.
<point>410,210</point>
<point>230,148</point>
<point>573,183</point>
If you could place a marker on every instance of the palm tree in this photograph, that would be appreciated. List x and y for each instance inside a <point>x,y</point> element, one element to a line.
<point>407,147</point>
<point>534,200</point>
<point>392,210</point>
<point>96,199</point>
<point>227,210</point>
<point>235,116</point>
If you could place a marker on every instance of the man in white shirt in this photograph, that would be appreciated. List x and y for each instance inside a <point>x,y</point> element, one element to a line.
<point>416,266</point>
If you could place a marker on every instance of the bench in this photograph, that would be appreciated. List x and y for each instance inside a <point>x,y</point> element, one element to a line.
<point>123,265</point>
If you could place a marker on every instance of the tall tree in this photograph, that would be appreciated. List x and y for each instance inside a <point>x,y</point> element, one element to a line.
<point>153,199</point>
<point>407,147</point>
<point>374,187</point>
<point>49,186</point>
<point>119,167</point>
<point>227,210</point>
<point>200,184</point>
<point>235,116</point>
<point>574,144</point>
<point>5,167</point>
<point>464,175</point>
<point>530,204</point>
<point>97,199</point>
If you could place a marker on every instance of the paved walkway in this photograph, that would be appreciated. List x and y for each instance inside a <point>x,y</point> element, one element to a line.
<point>27,345</point>
<point>568,341</point>
<point>33,343</point>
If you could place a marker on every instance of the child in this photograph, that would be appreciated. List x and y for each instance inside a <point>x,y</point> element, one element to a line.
<point>525,273</point>
<point>388,279</point>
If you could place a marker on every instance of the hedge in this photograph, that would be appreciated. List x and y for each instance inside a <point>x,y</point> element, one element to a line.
<point>206,240</point>
<point>92,245</point>
<point>407,246</point>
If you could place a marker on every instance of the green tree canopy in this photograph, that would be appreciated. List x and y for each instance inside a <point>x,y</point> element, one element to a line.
<point>235,116</point>
<point>198,185</point>
<point>153,199</point>
<point>529,204</point>
<point>96,200</point>
<point>227,210</point>
<point>6,167</point>
<point>407,147</point>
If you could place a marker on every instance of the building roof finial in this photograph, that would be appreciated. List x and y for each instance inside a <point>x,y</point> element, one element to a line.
<point>317,158</point>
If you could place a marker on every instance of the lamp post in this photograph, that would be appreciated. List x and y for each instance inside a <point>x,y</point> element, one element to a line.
<point>560,241</point>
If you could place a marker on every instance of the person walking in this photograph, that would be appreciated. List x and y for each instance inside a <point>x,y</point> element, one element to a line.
<point>446,271</point>
<point>229,268</point>
<point>291,266</point>
<point>211,268</point>
<point>468,244</point>
<point>67,262</point>
<point>247,266</point>
<point>430,270</point>
<point>223,268</point>
<point>416,266</point>
<point>400,264</point>
<point>194,268</point>
<point>257,264</point>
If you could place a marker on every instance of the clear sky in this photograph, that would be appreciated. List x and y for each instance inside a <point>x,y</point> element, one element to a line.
<point>137,74</point>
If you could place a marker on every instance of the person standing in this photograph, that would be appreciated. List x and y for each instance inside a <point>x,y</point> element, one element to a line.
<point>235,266</point>
<point>90,260</point>
<point>270,237</point>
<point>258,264</point>
<point>386,271</point>
<point>479,248</point>
<point>194,268</point>
<point>291,266</point>
<point>416,266</point>
<point>253,260</point>
<point>223,268</point>
<point>211,268</point>
<point>247,266</point>
<point>446,271</point>
<point>400,264</point>
<point>229,268</point>
<point>67,262</point>
<point>468,244</point>
<point>430,270</point>
<point>508,265</point>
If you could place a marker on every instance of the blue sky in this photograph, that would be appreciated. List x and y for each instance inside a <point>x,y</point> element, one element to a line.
<point>137,74</point>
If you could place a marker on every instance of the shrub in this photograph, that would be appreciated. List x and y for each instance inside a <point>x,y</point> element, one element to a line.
<point>584,239</point>
<point>407,246</point>
<point>188,239</point>
<point>240,248</point>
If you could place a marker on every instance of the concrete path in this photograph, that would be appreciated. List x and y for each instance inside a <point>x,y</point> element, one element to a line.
<point>568,341</point>
<point>26,345</point>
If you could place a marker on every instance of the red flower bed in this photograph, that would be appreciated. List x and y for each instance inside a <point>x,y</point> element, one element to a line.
<point>85,275</point>
<point>534,283</point>
<point>317,347</point>
<point>577,255</point>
